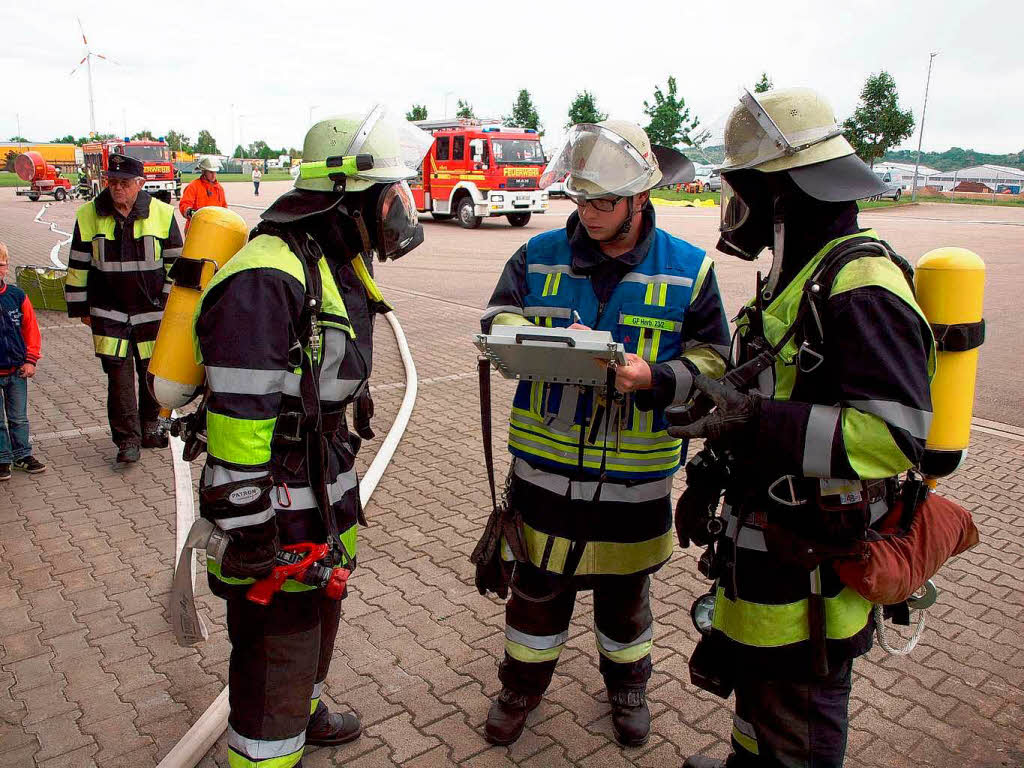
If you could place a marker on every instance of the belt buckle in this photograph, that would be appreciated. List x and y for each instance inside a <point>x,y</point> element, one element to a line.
<point>290,435</point>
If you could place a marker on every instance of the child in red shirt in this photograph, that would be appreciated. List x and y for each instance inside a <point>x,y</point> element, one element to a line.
<point>19,354</point>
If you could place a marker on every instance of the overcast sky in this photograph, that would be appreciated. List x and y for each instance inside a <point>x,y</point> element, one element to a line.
<point>256,69</point>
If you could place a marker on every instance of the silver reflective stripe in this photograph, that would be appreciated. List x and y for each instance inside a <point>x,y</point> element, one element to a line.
<point>912,420</point>
<point>636,277</point>
<point>611,646</point>
<point>551,269</point>
<point>127,266</point>
<point>215,475</point>
<point>636,442</point>
<point>878,510</point>
<point>748,538</point>
<point>147,317</point>
<point>71,290</point>
<point>344,483</point>
<point>821,429</point>
<point>494,311</point>
<point>339,389</point>
<point>331,387</point>
<point>684,381</point>
<point>585,490</point>
<point>318,689</point>
<point>562,312</point>
<point>99,249</point>
<point>722,349</point>
<point>265,749</point>
<point>149,248</point>
<point>171,253</point>
<point>566,415</point>
<point>300,498</point>
<point>167,287</point>
<point>245,381</point>
<point>744,727</point>
<point>536,642</point>
<point>244,521</point>
<point>571,455</point>
<point>79,260</point>
<point>109,314</point>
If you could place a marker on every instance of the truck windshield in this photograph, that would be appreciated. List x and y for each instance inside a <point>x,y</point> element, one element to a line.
<point>518,151</point>
<point>149,154</point>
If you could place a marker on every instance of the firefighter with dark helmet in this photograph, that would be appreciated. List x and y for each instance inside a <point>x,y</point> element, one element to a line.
<point>591,477</point>
<point>283,330</point>
<point>826,403</point>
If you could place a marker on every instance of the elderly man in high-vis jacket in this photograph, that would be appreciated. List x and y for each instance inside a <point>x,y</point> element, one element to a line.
<point>592,480</point>
<point>124,243</point>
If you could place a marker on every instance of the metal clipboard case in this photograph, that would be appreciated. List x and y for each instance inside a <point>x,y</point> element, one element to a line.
<point>554,355</point>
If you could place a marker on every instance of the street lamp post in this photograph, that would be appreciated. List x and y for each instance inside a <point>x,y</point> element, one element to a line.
<point>920,135</point>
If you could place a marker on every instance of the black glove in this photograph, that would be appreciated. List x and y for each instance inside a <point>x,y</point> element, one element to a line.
<point>493,572</point>
<point>362,412</point>
<point>706,478</point>
<point>189,212</point>
<point>252,551</point>
<point>734,419</point>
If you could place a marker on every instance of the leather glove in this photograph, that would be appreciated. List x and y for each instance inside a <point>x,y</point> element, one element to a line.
<point>189,212</point>
<point>251,552</point>
<point>493,572</point>
<point>706,478</point>
<point>734,418</point>
<point>362,413</point>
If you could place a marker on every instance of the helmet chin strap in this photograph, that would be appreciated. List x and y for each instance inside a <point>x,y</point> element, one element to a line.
<point>627,225</point>
<point>778,244</point>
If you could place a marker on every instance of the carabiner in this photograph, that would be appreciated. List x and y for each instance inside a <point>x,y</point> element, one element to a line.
<point>287,495</point>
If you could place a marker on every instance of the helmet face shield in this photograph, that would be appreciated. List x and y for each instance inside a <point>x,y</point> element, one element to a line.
<point>398,227</point>
<point>734,212</point>
<point>599,163</point>
<point>753,138</point>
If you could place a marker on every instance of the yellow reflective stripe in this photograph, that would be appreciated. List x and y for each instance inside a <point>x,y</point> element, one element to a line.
<point>702,273</point>
<point>627,655</point>
<point>662,294</point>
<point>707,360</point>
<point>770,626</point>
<point>510,318</point>
<point>110,346</point>
<point>520,652</point>
<point>749,744</point>
<point>237,760</point>
<point>547,286</point>
<point>599,557</point>
<point>239,441</point>
<point>655,343</point>
<point>670,449</point>
<point>649,294</point>
<point>870,447</point>
<point>312,704</point>
<point>290,585</point>
<point>77,278</point>
<point>350,541</point>
<point>654,323</point>
<point>145,349</point>
<point>363,273</point>
<point>644,441</point>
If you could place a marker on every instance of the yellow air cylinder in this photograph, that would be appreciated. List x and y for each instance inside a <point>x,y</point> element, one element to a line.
<point>215,235</point>
<point>950,287</point>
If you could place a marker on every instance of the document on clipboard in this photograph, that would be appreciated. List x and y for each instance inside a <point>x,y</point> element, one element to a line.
<point>554,355</point>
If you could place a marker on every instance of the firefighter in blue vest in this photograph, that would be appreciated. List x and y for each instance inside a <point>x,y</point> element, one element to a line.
<point>284,332</point>
<point>826,403</point>
<point>591,479</point>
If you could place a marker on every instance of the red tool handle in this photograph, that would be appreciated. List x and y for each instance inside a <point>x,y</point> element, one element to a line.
<point>262,592</point>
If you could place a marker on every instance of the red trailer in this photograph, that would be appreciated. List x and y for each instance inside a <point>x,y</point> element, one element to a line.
<point>43,178</point>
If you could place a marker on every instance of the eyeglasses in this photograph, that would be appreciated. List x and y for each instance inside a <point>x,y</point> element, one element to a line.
<point>126,183</point>
<point>603,204</point>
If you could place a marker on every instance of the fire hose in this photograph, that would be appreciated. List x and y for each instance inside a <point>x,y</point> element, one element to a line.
<point>212,723</point>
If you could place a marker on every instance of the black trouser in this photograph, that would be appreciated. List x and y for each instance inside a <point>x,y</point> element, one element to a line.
<point>123,410</point>
<point>536,631</point>
<point>280,655</point>
<point>791,723</point>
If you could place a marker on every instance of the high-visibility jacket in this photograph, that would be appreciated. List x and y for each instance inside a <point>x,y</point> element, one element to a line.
<point>200,193</point>
<point>646,313</point>
<point>859,414</point>
<point>246,334</point>
<point>121,283</point>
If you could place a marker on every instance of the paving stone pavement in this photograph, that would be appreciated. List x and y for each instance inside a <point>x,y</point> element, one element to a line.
<point>90,673</point>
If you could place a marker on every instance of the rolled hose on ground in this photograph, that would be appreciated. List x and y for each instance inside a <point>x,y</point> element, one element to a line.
<point>212,723</point>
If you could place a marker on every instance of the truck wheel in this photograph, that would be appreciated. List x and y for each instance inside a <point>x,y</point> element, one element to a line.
<point>163,196</point>
<point>60,195</point>
<point>441,216</point>
<point>899,194</point>
<point>467,214</point>
<point>33,196</point>
<point>518,219</point>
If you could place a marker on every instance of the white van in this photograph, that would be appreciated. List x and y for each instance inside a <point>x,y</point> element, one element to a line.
<point>893,181</point>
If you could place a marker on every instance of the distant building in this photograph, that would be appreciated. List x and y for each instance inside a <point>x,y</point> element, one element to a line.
<point>995,178</point>
<point>906,171</point>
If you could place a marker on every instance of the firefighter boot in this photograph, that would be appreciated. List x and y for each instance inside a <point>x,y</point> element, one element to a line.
<point>631,719</point>
<point>326,729</point>
<point>507,717</point>
<point>702,761</point>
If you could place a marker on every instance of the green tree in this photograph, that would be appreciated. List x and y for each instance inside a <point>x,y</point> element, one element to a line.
<point>584,110</point>
<point>69,139</point>
<point>206,144</point>
<point>179,142</point>
<point>878,123</point>
<point>145,135</point>
<point>764,84</point>
<point>524,113</point>
<point>465,109</point>
<point>670,122</point>
<point>240,151</point>
<point>417,112</point>
<point>22,139</point>
<point>293,153</point>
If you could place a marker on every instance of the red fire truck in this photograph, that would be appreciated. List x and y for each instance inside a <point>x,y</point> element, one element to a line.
<point>155,157</point>
<point>475,170</point>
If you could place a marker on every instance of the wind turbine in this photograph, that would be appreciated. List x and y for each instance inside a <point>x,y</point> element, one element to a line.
<point>87,60</point>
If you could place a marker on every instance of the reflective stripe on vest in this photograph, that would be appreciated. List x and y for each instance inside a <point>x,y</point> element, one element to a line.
<point>599,557</point>
<point>646,313</point>
<point>97,230</point>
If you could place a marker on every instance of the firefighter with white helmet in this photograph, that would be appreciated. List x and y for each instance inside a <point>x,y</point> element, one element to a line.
<point>591,479</point>
<point>284,331</point>
<point>203,191</point>
<point>826,403</point>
